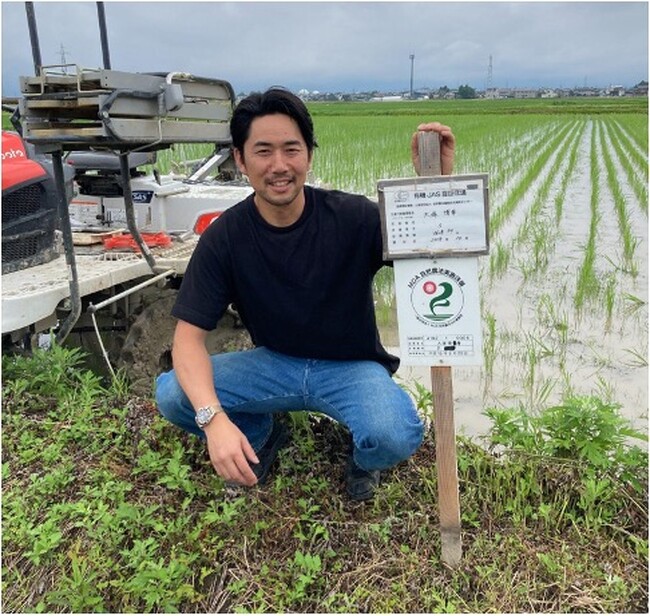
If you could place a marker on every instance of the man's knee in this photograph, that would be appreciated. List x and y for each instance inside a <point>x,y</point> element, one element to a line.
<point>403,443</point>
<point>390,442</point>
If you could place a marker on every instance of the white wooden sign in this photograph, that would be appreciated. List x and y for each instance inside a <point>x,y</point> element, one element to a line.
<point>438,311</point>
<point>434,216</point>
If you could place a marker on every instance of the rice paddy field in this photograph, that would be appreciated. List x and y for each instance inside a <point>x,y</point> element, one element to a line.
<point>564,289</point>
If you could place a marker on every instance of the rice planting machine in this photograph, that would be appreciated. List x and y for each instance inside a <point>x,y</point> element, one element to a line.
<point>94,240</point>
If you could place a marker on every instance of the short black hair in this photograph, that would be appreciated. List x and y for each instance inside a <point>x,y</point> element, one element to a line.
<point>274,100</point>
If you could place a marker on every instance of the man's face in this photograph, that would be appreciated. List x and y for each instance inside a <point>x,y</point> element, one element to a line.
<point>276,161</point>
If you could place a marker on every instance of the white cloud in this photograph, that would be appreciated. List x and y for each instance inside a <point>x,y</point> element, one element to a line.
<point>344,45</point>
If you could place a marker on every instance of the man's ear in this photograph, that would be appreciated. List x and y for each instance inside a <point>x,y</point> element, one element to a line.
<point>239,159</point>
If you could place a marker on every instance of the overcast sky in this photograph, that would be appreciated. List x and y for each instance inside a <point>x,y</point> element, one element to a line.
<point>343,46</point>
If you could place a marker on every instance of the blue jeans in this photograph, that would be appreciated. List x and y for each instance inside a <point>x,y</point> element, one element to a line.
<point>254,384</point>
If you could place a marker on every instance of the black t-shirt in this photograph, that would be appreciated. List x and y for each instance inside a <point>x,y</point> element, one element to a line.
<point>303,290</point>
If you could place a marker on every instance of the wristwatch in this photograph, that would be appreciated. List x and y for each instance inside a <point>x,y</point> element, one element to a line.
<point>205,414</point>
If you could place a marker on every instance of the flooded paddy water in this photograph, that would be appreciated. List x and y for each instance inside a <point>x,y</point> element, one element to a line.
<point>564,291</point>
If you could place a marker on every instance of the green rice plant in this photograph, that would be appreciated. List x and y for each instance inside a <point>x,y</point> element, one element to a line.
<point>541,240</point>
<point>588,284</point>
<point>181,158</point>
<point>538,390</point>
<point>499,259</point>
<point>604,390</point>
<point>634,303</point>
<point>557,324</point>
<point>636,126</point>
<point>610,289</point>
<point>638,359</point>
<point>568,171</point>
<point>505,161</point>
<point>632,162</point>
<point>542,193</point>
<point>538,231</point>
<point>503,213</point>
<point>355,152</point>
<point>629,242</point>
<point>385,304</point>
<point>489,346</point>
<point>633,132</point>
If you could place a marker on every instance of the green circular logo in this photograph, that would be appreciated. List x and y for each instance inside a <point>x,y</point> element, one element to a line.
<point>437,297</point>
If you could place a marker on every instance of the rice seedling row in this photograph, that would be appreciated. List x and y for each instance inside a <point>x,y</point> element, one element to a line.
<point>635,127</point>
<point>620,204</point>
<point>537,236</point>
<point>533,169</point>
<point>588,283</point>
<point>633,163</point>
<point>534,182</point>
<point>568,171</point>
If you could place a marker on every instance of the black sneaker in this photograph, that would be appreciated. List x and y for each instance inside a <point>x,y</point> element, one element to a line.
<point>266,456</point>
<point>269,451</point>
<point>359,484</point>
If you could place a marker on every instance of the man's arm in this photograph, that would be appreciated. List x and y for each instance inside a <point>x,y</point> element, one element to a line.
<point>447,146</point>
<point>229,449</point>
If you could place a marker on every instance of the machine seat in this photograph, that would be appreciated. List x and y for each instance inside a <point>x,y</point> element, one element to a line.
<point>107,161</point>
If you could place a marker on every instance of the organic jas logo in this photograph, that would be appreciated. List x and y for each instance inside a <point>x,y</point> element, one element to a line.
<point>437,296</point>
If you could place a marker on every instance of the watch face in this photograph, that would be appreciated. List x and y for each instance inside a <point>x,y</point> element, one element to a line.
<point>203,416</point>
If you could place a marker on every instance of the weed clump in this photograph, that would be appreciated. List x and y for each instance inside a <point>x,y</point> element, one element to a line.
<point>108,508</point>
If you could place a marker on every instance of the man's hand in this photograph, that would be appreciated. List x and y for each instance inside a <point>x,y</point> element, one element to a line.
<point>230,452</point>
<point>447,146</point>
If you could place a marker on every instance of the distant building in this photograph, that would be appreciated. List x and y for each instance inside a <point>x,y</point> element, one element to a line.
<point>640,89</point>
<point>615,91</point>
<point>384,99</point>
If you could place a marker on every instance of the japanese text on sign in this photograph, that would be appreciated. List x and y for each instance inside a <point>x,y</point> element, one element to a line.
<point>434,216</point>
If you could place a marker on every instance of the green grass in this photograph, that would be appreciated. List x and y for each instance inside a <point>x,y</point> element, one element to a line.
<point>6,124</point>
<point>107,508</point>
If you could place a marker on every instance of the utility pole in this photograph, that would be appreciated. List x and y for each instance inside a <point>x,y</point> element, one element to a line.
<point>412,57</point>
<point>63,59</point>
<point>488,85</point>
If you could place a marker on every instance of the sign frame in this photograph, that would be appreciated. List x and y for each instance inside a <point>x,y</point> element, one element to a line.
<point>437,189</point>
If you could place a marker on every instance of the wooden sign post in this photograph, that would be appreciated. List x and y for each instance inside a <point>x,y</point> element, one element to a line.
<point>438,307</point>
<point>446,463</point>
<point>442,390</point>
